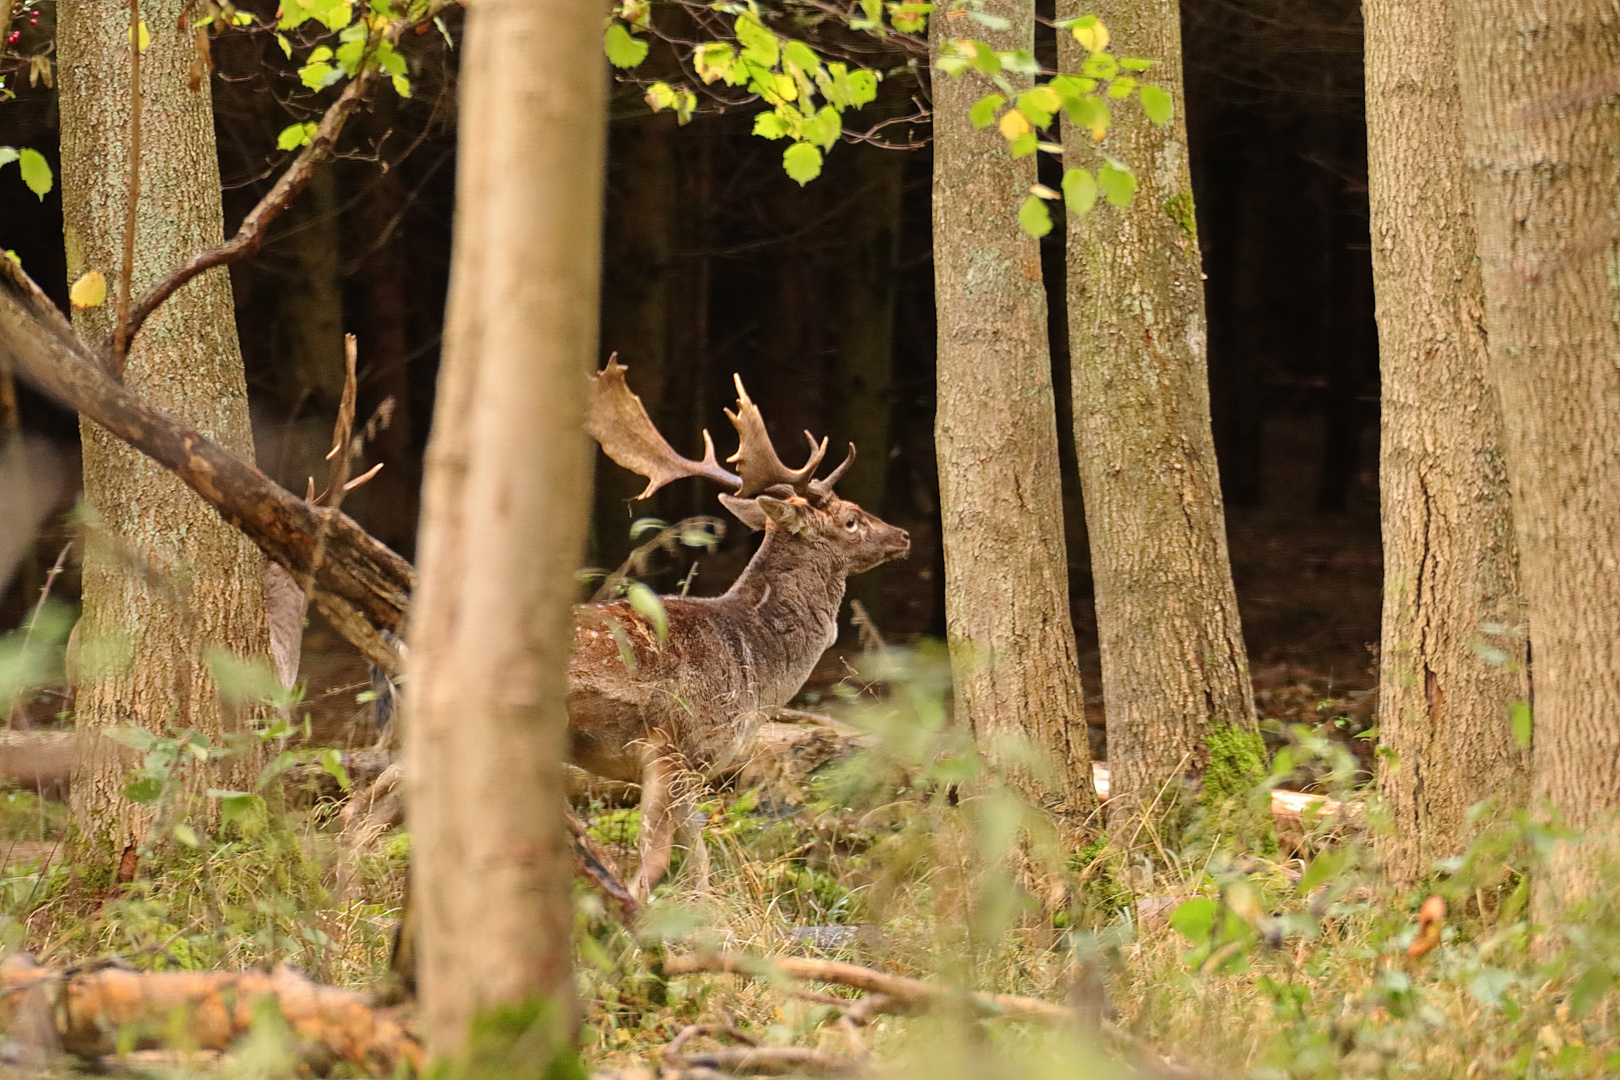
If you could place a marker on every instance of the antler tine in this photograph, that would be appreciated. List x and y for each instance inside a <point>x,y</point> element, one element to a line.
<point>756,458</point>
<point>618,420</point>
<point>826,485</point>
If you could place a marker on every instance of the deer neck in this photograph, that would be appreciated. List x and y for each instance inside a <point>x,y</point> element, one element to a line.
<point>793,590</point>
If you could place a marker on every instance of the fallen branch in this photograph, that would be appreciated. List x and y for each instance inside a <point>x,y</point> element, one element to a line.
<point>361,585</point>
<point>89,1011</point>
<point>751,1058</point>
<point>901,990</point>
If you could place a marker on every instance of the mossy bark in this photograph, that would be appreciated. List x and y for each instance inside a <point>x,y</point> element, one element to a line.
<point>164,578</point>
<point>1006,575</point>
<point>1174,665</point>
<point>1541,133</point>
<point>505,506</point>
<point>1451,582</point>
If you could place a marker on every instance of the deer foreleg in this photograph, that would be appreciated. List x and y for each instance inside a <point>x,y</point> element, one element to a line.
<point>668,806</point>
<point>658,821</point>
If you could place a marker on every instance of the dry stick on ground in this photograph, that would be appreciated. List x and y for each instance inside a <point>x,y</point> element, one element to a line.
<point>900,993</point>
<point>750,1058</point>
<point>84,1011</point>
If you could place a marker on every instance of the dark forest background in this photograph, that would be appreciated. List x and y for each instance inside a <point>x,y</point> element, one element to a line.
<point>822,299</point>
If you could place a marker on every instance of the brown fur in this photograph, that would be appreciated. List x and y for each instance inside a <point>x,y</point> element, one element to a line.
<point>653,712</point>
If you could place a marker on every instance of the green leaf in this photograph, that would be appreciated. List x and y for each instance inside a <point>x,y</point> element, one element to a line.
<point>801,56</point>
<point>771,125</point>
<point>989,21</point>
<point>863,85</point>
<point>824,128</point>
<point>187,835</point>
<point>660,96</point>
<point>759,44</point>
<point>1088,111</point>
<point>623,49</point>
<point>1079,190</point>
<point>233,804</point>
<point>1589,989</point>
<point>145,791</point>
<point>1034,217</point>
<point>1156,104</point>
<point>8,154</point>
<point>1488,986</point>
<point>1117,183</point>
<point>984,60</point>
<point>983,112</point>
<point>318,76</point>
<point>910,18</point>
<point>36,171</point>
<point>1121,88</point>
<point>1194,919</point>
<point>1039,104</point>
<point>713,60</point>
<point>295,135</point>
<point>802,162</point>
<point>332,765</point>
<point>1520,719</point>
<point>649,607</point>
<point>1100,66</point>
<point>286,46</point>
<point>1133,63</point>
<point>1024,145</point>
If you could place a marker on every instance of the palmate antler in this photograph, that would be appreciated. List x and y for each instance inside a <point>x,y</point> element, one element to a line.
<point>618,420</point>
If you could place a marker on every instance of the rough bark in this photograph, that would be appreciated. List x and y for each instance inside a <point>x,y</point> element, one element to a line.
<point>163,576</point>
<point>1174,667</point>
<point>1001,503</point>
<point>1450,563</point>
<point>503,523</point>
<point>1541,131</point>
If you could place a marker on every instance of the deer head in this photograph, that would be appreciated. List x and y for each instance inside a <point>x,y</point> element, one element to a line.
<point>768,496</point>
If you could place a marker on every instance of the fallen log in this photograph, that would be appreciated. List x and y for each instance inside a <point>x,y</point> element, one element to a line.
<point>89,1011</point>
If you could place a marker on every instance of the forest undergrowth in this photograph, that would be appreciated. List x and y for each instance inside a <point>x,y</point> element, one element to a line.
<point>1211,947</point>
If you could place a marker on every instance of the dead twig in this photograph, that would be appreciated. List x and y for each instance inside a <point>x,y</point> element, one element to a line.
<point>751,1057</point>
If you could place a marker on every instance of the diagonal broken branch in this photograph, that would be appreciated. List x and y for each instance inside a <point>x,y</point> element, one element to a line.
<point>359,583</point>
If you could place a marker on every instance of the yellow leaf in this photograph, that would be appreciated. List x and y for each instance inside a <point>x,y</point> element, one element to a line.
<point>1013,125</point>
<point>146,37</point>
<point>1099,133</point>
<point>89,291</point>
<point>1093,38</point>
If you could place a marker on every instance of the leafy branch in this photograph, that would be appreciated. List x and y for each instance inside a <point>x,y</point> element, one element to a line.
<point>367,51</point>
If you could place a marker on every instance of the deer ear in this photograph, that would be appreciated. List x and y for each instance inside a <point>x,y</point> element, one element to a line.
<point>789,516</point>
<point>746,511</point>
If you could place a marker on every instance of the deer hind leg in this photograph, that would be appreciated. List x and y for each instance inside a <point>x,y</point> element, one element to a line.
<point>668,806</point>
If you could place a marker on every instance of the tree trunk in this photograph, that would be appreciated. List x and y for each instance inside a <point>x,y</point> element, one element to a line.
<point>1541,131</point>
<point>1001,503</point>
<point>1175,672</point>
<point>505,507</point>
<point>164,577</point>
<point>1450,563</point>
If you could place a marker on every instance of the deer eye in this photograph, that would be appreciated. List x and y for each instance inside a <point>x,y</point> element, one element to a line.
<point>852,523</point>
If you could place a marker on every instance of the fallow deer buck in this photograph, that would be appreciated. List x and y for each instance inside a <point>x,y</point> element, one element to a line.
<point>653,709</point>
